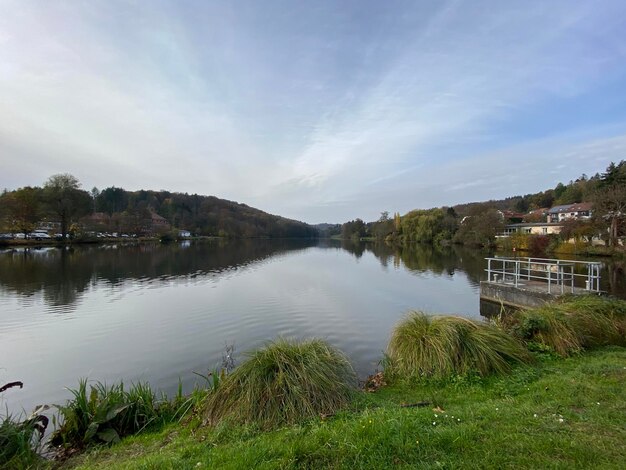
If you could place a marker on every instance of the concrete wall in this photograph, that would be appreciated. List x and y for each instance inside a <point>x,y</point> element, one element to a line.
<point>513,296</point>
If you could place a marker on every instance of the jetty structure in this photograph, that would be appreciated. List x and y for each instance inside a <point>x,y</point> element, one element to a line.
<point>530,282</point>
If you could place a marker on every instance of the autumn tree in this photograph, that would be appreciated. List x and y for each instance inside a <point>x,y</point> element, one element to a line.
<point>66,200</point>
<point>22,209</point>
<point>609,200</point>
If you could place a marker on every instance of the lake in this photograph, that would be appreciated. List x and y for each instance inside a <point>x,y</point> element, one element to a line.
<point>159,313</point>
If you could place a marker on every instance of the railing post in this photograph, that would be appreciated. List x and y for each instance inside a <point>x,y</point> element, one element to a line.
<point>549,277</point>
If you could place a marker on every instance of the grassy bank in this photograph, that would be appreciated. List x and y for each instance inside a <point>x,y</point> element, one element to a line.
<point>556,413</point>
<point>538,388</point>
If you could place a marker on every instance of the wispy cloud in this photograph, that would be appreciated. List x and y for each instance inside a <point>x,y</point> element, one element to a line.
<point>318,111</point>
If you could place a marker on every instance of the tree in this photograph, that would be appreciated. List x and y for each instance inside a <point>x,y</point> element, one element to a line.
<point>609,200</point>
<point>95,192</point>
<point>22,209</point>
<point>65,199</point>
<point>383,226</point>
<point>480,227</point>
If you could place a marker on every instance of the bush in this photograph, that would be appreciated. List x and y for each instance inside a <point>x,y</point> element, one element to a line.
<point>284,382</point>
<point>107,413</point>
<point>572,324</point>
<point>443,346</point>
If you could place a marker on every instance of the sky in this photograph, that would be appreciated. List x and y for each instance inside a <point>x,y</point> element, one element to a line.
<point>321,111</point>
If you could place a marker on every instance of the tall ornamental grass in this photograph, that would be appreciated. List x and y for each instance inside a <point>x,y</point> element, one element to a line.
<point>282,383</point>
<point>443,346</point>
<point>572,324</point>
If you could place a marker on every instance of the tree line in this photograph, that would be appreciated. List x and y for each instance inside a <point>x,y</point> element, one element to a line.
<point>478,223</point>
<point>62,200</point>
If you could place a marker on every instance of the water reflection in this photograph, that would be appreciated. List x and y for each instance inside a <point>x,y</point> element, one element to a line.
<point>62,276</point>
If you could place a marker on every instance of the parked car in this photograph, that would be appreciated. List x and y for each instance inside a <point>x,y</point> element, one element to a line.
<point>40,235</point>
<point>6,236</point>
<point>20,236</point>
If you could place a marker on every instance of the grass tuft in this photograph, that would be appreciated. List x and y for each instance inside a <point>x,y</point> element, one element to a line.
<point>282,383</point>
<point>444,346</point>
<point>572,324</point>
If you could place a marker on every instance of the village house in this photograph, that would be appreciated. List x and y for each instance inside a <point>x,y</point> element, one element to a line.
<point>579,210</point>
<point>532,228</point>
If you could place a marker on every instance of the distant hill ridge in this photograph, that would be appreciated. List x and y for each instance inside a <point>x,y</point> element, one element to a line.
<point>202,215</point>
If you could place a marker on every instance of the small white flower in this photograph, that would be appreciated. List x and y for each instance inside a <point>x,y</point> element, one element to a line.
<point>434,423</point>
<point>459,420</point>
<point>561,420</point>
<point>497,409</point>
<point>535,415</point>
<point>436,416</point>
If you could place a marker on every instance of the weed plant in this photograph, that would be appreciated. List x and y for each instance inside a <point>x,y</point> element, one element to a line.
<point>104,414</point>
<point>446,346</point>
<point>17,444</point>
<point>283,382</point>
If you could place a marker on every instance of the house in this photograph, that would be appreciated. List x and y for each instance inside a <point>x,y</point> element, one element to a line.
<point>579,210</point>
<point>537,215</point>
<point>511,217</point>
<point>158,223</point>
<point>537,228</point>
<point>184,234</point>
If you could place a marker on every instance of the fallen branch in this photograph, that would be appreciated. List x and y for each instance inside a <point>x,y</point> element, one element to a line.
<point>11,385</point>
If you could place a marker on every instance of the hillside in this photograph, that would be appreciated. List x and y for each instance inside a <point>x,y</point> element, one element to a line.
<point>60,205</point>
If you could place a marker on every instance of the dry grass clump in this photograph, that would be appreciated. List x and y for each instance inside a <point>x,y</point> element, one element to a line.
<point>442,346</point>
<point>572,324</point>
<point>282,383</point>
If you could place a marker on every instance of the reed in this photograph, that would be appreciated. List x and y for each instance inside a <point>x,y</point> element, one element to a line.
<point>283,382</point>
<point>443,346</point>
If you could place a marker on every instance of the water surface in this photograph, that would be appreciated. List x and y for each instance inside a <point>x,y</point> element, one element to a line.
<point>159,313</point>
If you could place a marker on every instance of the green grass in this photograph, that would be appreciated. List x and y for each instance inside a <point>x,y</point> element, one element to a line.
<point>423,346</point>
<point>557,413</point>
<point>283,382</point>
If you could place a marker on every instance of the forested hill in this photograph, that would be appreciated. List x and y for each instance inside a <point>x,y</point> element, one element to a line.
<point>202,215</point>
<point>113,209</point>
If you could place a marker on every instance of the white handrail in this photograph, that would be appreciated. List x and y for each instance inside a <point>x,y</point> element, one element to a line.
<point>517,270</point>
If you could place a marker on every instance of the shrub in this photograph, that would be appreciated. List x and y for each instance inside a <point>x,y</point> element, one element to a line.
<point>282,383</point>
<point>107,413</point>
<point>572,324</point>
<point>443,346</point>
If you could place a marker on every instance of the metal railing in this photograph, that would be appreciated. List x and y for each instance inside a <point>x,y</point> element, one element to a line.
<point>561,276</point>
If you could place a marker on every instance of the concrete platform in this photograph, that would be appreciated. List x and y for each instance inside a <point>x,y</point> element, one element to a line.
<point>526,293</point>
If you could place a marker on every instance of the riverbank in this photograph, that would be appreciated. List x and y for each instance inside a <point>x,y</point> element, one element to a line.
<point>556,413</point>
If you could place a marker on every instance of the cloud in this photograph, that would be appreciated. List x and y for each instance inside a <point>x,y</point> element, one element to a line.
<point>310,110</point>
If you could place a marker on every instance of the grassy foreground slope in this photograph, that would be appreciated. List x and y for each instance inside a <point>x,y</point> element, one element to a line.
<point>559,413</point>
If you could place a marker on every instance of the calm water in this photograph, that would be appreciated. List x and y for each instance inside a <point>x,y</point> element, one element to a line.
<point>159,313</point>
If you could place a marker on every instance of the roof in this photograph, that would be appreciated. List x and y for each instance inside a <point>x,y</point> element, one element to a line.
<point>581,206</point>
<point>576,207</point>
<point>557,209</point>
<point>535,224</point>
